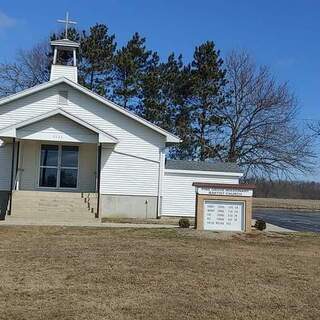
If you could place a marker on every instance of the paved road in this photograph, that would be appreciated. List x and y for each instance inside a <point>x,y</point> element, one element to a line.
<point>294,220</point>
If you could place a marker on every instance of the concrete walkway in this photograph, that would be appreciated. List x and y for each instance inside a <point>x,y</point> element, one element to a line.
<point>12,221</point>
<point>20,222</point>
<point>274,228</point>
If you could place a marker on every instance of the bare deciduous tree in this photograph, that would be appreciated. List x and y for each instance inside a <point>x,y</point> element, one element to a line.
<point>30,68</point>
<point>260,131</point>
<point>314,126</point>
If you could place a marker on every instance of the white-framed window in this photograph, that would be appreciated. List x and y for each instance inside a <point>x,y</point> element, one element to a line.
<point>59,166</point>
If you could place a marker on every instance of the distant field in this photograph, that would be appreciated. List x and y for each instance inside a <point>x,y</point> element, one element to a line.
<point>296,204</point>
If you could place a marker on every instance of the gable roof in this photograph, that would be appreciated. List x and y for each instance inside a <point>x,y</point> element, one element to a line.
<point>170,138</point>
<point>104,137</point>
<point>211,167</point>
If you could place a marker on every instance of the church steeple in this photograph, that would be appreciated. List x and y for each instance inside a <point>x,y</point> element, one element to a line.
<point>65,56</point>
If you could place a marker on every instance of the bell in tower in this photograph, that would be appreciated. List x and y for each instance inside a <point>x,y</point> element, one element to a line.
<point>64,56</point>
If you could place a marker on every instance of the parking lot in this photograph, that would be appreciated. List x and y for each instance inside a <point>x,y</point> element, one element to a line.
<point>294,220</point>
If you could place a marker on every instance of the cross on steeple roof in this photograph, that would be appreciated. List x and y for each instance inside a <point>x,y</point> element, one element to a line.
<point>67,22</point>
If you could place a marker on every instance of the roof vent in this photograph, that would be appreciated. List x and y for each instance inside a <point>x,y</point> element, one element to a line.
<point>63,98</point>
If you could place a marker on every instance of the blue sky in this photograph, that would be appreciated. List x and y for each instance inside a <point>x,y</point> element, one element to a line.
<point>284,34</point>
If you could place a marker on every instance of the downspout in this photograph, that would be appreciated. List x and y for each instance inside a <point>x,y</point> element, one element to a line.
<point>98,181</point>
<point>160,182</point>
<point>196,211</point>
<point>12,172</point>
<point>17,165</point>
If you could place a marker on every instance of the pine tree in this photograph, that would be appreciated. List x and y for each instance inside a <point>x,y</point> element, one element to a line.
<point>151,104</point>
<point>96,59</point>
<point>176,92</point>
<point>208,80</point>
<point>164,93</point>
<point>129,65</point>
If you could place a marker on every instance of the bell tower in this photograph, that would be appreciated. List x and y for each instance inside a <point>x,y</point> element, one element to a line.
<point>64,56</point>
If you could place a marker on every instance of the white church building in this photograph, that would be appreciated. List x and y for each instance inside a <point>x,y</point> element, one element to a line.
<point>61,141</point>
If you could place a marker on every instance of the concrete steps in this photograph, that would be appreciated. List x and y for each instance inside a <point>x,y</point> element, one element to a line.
<point>43,206</point>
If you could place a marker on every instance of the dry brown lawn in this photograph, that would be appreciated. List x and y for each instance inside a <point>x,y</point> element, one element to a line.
<point>290,204</point>
<point>82,273</point>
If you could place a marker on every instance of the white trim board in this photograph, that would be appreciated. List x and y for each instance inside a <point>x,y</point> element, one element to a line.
<point>210,173</point>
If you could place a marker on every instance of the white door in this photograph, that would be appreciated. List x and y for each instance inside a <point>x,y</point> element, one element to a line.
<point>223,215</point>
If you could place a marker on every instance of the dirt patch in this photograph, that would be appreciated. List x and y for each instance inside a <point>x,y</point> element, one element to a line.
<point>91,273</point>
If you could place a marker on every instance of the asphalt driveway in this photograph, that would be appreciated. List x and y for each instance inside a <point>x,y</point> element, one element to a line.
<point>294,220</point>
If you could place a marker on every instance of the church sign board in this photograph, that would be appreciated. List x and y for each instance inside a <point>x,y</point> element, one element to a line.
<point>226,192</point>
<point>223,207</point>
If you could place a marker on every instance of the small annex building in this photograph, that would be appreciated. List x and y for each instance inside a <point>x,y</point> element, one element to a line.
<point>60,137</point>
<point>178,191</point>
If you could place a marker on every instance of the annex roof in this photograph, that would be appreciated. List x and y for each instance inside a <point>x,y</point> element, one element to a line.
<point>228,167</point>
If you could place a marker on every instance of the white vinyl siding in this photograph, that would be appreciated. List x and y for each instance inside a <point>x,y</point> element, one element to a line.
<point>179,195</point>
<point>127,175</point>
<point>30,161</point>
<point>28,107</point>
<point>122,175</point>
<point>57,128</point>
<point>69,72</point>
<point>134,138</point>
<point>87,167</point>
<point>5,166</point>
<point>29,164</point>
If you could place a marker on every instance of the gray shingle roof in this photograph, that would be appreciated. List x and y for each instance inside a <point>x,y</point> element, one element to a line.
<point>203,166</point>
